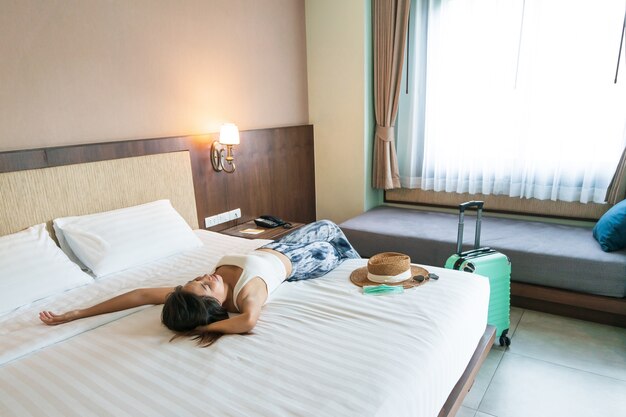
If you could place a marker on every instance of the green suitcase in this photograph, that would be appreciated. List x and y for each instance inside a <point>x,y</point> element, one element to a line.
<point>491,264</point>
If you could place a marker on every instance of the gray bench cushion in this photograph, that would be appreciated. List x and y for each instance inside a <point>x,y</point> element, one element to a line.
<point>546,254</point>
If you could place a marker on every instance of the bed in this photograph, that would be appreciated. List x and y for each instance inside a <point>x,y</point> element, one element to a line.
<point>320,348</point>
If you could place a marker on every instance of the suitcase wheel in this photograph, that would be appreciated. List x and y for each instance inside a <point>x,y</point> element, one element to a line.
<point>504,339</point>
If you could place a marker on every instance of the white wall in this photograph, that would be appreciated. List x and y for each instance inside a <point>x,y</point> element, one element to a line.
<point>77,71</point>
<point>338,99</point>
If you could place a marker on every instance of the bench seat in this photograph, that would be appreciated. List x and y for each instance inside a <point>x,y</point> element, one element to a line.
<point>546,254</point>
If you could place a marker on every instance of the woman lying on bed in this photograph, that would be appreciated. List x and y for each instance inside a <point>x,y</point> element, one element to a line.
<point>240,284</point>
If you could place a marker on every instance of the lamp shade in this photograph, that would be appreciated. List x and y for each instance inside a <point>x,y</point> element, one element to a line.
<point>229,134</point>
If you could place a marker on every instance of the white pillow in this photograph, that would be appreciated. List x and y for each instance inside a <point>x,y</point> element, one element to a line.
<point>32,267</point>
<point>115,240</point>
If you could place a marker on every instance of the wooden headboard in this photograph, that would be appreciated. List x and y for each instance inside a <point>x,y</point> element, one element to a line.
<point>275,172</point>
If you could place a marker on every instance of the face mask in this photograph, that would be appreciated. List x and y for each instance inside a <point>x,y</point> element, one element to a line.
<point>382,289</point>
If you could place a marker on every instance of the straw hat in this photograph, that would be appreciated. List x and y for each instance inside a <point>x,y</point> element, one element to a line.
<point>390,268</point>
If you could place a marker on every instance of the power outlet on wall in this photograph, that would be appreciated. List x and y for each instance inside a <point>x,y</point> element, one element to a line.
<point>222,218</point>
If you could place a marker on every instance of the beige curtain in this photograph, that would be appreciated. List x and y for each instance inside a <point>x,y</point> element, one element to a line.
<point>390,25</point>
<point>617,189</point>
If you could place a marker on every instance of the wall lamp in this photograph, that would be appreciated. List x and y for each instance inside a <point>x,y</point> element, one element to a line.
<point>229,136</point>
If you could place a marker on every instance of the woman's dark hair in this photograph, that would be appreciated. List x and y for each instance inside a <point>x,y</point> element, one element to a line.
<point>183,312</point>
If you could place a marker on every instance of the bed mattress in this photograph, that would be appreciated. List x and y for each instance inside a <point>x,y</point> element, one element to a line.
<point>320,348</point>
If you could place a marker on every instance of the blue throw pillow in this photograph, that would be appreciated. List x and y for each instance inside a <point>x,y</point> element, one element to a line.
<point>610,231</point>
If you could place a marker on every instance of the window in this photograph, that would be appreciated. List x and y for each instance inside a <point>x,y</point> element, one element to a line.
<point>513,97</point>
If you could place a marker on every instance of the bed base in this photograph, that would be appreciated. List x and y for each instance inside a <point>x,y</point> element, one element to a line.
<point>462,387</point>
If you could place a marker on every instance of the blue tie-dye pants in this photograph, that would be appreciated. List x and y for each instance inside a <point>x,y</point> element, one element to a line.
<point>314,250</point>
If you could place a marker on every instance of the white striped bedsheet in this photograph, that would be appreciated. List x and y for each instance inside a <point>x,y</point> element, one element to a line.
<point>321,348</point>
<point>21,331</point>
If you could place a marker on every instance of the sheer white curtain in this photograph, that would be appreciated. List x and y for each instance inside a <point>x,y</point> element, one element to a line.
<point>513,97</point>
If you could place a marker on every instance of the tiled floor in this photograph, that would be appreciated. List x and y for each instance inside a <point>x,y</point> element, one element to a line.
<point>556,367</point>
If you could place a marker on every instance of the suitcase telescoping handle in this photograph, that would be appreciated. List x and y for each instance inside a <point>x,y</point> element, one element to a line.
<point>462,207</point>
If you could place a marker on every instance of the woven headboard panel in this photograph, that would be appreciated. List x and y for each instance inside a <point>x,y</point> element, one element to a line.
<point>40,195</point>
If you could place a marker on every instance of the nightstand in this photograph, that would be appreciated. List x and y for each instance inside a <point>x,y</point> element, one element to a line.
<point>273,234</point>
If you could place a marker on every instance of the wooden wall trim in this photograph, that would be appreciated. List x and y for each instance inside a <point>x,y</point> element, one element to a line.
<point>500,204</point>
<point>606,310</point>
<point>275,170</point>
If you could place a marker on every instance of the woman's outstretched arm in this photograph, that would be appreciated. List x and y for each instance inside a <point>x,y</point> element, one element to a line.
<point>134,298</point>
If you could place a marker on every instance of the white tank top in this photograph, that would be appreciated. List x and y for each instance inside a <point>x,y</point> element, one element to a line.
<point>256,264</point>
